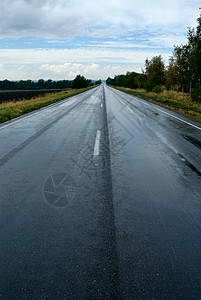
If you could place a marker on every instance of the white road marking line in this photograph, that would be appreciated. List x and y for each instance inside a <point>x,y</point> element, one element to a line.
<point>101,105</point>
<point>199,128</point>
<point>174,117</point>
<point>32,113</point>
<point>21,119</point>
<point>97,143</point>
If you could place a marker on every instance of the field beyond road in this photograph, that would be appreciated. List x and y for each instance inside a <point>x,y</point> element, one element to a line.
<point>16,95</point>
<point>13,109</point>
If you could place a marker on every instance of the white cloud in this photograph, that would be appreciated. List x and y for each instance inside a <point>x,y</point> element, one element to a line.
<point>69,69</point>
<point>63,19</point>
<point>125,33</point>
<point>86,55</point>
<point>168,41</point>
<point>58,64</point>
<point>56,42</point>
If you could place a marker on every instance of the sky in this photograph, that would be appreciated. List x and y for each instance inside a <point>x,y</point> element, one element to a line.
<point>59,39</point>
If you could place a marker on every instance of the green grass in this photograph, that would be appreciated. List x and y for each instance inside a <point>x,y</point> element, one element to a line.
<point>172,102</point>
<point>11,109</point>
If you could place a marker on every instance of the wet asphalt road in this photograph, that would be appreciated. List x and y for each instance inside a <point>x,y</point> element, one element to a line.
<point>100,198</point>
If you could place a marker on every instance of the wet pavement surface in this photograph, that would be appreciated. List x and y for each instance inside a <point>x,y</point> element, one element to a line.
<point>100,198</point>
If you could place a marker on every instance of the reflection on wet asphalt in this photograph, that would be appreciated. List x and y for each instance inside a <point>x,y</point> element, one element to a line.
<point>100,199</point>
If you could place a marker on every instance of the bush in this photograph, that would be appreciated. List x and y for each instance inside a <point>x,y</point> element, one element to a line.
<point>157,89</point>
<point>149,86</point>
<point>5,115</point>
<point>196,95</point>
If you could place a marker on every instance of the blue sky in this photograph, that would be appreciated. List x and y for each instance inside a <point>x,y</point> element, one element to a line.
<point>60,39</point>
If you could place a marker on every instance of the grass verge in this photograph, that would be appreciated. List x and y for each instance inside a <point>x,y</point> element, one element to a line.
<point>12,109</point>
<point>164,99</point>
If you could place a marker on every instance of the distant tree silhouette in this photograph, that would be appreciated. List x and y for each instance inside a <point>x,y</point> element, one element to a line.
<point>98,82</point>
<point>128,80</point>
<point>79,82</point>
<point>31,85</point>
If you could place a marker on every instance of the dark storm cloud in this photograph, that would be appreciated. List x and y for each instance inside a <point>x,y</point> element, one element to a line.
<point>70,18</point>
<point>40,18</point>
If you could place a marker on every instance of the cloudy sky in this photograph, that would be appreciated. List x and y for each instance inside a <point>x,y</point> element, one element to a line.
<point>59,39</point>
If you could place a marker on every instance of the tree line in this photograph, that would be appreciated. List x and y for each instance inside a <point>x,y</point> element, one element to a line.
<point>78,82</point>
<point>34,85</point>
<point>183,72</point>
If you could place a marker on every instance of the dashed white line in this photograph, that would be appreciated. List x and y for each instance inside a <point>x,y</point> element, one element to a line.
<point>101,105</point>
<point>97,143</point>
